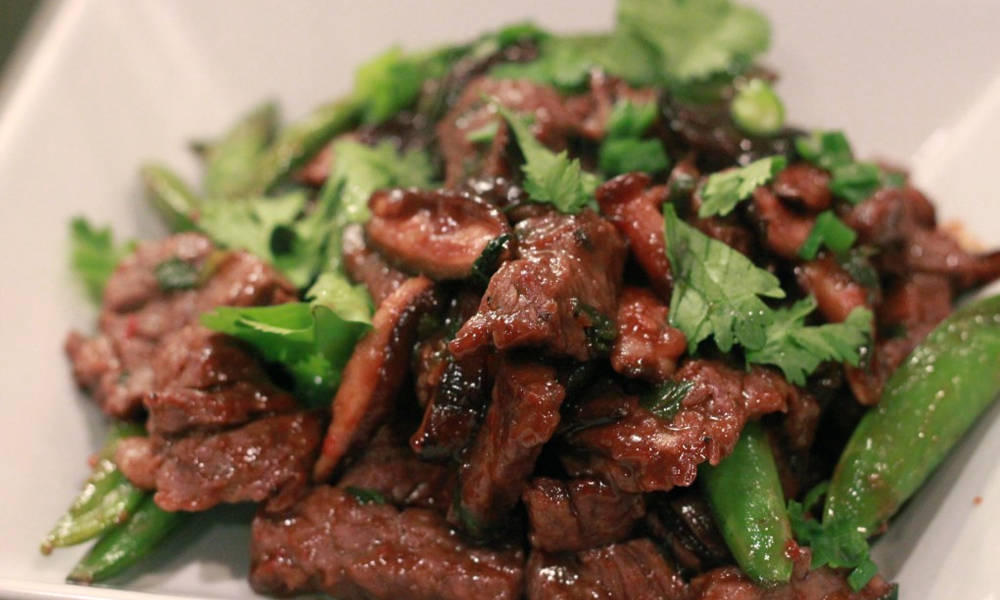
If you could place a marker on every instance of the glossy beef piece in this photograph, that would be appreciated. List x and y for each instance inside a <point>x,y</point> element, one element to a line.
<point>635,210</point>
<point>683,522</point>
<point>614,436</point>
<point>647,347</point>
<point>437,233</point>
<point>634,570</point>
<point>390,468</point>
<point>837,293</point>
<point>375,373</point>
<point>784,230</point>
<point>266,458</point>
<point>137,459</point>
<point>522,417</point>
<point>331,543</point>
<point>465,158</point>
<point>594,108</point>
<point>137,314</point>
<point>208,380</point>
<point>937,252</point>
<point>575,515</point>
<point>824,583</point>
<point>805,186</point>
<point>569,272</point>
<point>367,267</point>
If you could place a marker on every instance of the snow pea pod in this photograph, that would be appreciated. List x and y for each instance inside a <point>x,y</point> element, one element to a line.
<point>744,493</point>
<point>105,499</point>
<point>928,404</point>
<point>127,544</point>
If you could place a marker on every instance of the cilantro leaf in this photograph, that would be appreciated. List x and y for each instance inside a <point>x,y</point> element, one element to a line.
<point>629,155</point>
<point>851,180</point>
<point>828,231</point>
<point>836,545</point>
<point>630,119</point>
<point>797,349</point>
<point>311,340</point>
<point>94,255</point>
<point>666,400</point>
<point>391,82</point>
<point>550,177</point>
<point>717,291</point>
<point>694,40</point>
<point>825,149</point>
<point>724,190</point>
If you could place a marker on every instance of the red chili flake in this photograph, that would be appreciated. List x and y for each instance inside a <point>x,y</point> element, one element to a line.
<point>977,500</point>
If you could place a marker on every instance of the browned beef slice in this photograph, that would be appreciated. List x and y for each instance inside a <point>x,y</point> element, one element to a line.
<point>437,233</point>
<point>269,456</point>
<point>465,157</point>
<point>642,452</point>
<point>647,347</point>
<point>633,570</point>
<point>570,272</point>
<point>375,373</point>
<point>136,458</point>
<point>805,185</point>
<point>114,366</point>
<point>784,229</point>
<point>522,417</point>
<point>635,211</point>
<point>367,267</point>
<point>570,516</point>
<point>393,470</point>
<point>330,542</point>
<point>204,379</point>
<point>682,521</point>
<point>837,293</point>
<point>824,583</point>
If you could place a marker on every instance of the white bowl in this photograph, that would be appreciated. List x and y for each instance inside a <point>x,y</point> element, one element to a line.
<point>108,84</point>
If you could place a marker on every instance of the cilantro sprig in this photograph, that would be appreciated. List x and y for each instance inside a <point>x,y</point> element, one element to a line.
<point>94,254</point>
<point>724,190</point>
<point>852,180</point>
<point>720,293</point>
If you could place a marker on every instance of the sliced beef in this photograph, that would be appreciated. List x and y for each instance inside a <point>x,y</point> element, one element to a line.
<point>522,417</point>
<point>559,295</point>
<point>647,347</point>
<point>332,543</point>
<point>208,380</point>
<point>268,456</point>
<point>784,230</point>
<point>467,158</point>
<point>366,266</point>
<point>141,308</point>
<point>633,570</point>
<point>613,435</point>
<point>805,186</point>
<point>837,293</point>
<point>575,515</point>
<point>682,522</point>
<point>391,469</point>
<point>137,459</point>
<point>375,373</point>
<point>824,583</point>
<point>436,233</point>
<point>635,210</point>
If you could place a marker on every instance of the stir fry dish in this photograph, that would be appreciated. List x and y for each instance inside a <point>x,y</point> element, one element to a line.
<point>535,316</point>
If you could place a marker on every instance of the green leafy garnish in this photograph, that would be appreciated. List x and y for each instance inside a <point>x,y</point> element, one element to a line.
<point>630,119</point>
<point>757,109</point>
<point>366,495</point>
<point>725,189</point>
<point>601,329</point>
<point>312,340</point>
<point>718,292</point>
<point>94,255</point>
<point>797,349</point>
<point>666,400</point>
<point>391,82</point>
<point>828,231</point>
<point>176,274</point>
<point>550,177</point>
<point>835,545</point>
<point>855,181</point>
<point>623,149</point>
<point>851,180</point>
<point>695,40</point>
<point>489,259</point>
<point>825,149</point>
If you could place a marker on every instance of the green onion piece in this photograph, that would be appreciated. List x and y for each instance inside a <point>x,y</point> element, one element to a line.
<point>757,109</point>
<point>828,231</point>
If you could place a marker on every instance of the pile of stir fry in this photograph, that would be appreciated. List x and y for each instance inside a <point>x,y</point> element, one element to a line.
<point>535,316</point>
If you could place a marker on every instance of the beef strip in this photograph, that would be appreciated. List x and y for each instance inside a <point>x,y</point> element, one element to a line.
<point>330,542</point>
<point>613,435</point>
<point>208,380</point>
<point>375,373</point>
<point>390,468</point>
<point>634,209</point>
<point>114,366</point>
<point>570,516</point>
<point>647,347</point>
<point>823,583</point>
<point>366,266</point>
<point>633,570</point>
<point>784,230</point>
<point>522,417</point>
<point>805,186</point>
<point>682,521</point>
<point>566,280</point>
<point>439,234</point>
<point>249,463</point>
